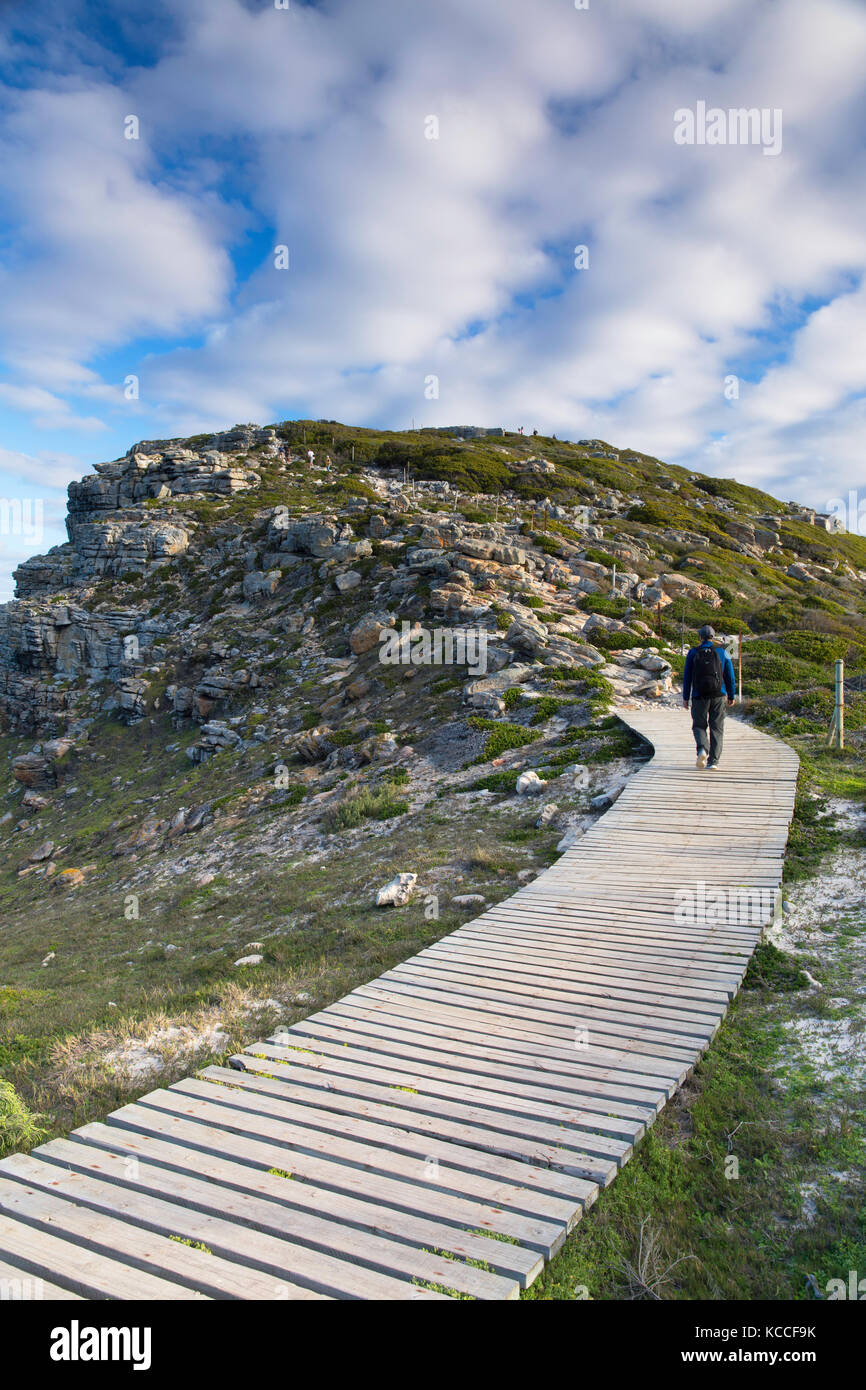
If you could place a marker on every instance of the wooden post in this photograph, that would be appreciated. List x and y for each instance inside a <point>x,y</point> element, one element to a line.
<point>613,581</point>
<point>839,714</point>
<point>659,616</point>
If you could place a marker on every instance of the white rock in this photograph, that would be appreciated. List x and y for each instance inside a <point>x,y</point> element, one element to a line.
<point>548,811</point>
<point>250,960</point>
<point>398,892</point>
<point>570,838</point>
<point>528,783</point>
<point>469,900</point>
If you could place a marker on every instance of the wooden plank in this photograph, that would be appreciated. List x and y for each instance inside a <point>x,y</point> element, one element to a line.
<point>18,1285</point>
<point>542,1192</point>
<point>200,1180</point>
<point>583,1155</point>
<point>332,1258</point>
<point>42,1193</point>
<point>42,1251</point>
<point>467,1200</point>
<point>432,1093</point>
<point>432,1065</point>
<point>581,1072</point>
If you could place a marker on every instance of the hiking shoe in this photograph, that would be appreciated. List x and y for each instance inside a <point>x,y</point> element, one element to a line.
<point>712,764</point>
<point>702,760</point>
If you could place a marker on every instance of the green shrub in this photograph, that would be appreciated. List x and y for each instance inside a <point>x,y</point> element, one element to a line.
<point>365,803</point>
<point>501,736</point>
<point>397,776</point>
<point>814,646</point>
<point>496,782</point>
<point>19,1128</point>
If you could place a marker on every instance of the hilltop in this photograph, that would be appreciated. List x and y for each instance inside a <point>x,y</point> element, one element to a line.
<point>212,771</point>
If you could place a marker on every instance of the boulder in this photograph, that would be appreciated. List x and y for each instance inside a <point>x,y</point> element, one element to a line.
<point>529,784</point>
<point>398,892</point>
<point>527,636</point>
<point>34,770</point>
<point>315,744</point>
<point>69,878</point>
<point>676,585</point>
<point>365,634</point>
<point>259,585</point>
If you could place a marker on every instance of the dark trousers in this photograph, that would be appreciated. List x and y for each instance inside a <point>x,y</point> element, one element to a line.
<point>709,713</point>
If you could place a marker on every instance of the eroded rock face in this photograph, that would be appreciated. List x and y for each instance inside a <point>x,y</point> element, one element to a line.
<point>45,645</point>
<point>120,525</point>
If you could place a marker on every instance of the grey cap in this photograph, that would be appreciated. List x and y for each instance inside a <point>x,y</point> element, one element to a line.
<point>706,632</point>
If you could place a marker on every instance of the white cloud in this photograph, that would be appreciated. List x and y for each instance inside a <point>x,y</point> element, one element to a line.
<point>452,256</point>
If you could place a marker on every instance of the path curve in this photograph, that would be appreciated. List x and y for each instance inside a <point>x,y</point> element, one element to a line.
<point>488,1086</point>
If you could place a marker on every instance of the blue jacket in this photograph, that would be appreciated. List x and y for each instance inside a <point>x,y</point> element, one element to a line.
<point>727,671</point>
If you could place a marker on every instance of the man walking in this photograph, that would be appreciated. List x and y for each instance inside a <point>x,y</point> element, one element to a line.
<point>707,679</point>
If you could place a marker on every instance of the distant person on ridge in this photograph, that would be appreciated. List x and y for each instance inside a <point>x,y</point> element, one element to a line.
<point>707,679</point>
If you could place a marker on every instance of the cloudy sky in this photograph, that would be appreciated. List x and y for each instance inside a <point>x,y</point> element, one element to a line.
<point>431,167</point>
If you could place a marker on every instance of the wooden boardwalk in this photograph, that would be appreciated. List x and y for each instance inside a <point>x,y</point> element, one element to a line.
<point>487,1087</point>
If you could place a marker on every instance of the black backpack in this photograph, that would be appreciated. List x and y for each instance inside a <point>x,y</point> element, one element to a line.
<point>707,673</point>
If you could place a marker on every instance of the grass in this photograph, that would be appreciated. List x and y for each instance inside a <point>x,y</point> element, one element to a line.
<point>115,980</point>
<point>365,803</point>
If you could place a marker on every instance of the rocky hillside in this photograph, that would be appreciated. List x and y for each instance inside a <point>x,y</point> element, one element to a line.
<point>230,717</point>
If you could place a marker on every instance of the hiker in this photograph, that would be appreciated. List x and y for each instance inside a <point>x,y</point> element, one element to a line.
<point>707,679</point>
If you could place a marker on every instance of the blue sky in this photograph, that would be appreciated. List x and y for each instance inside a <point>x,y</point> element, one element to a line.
<point>413,257</point>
